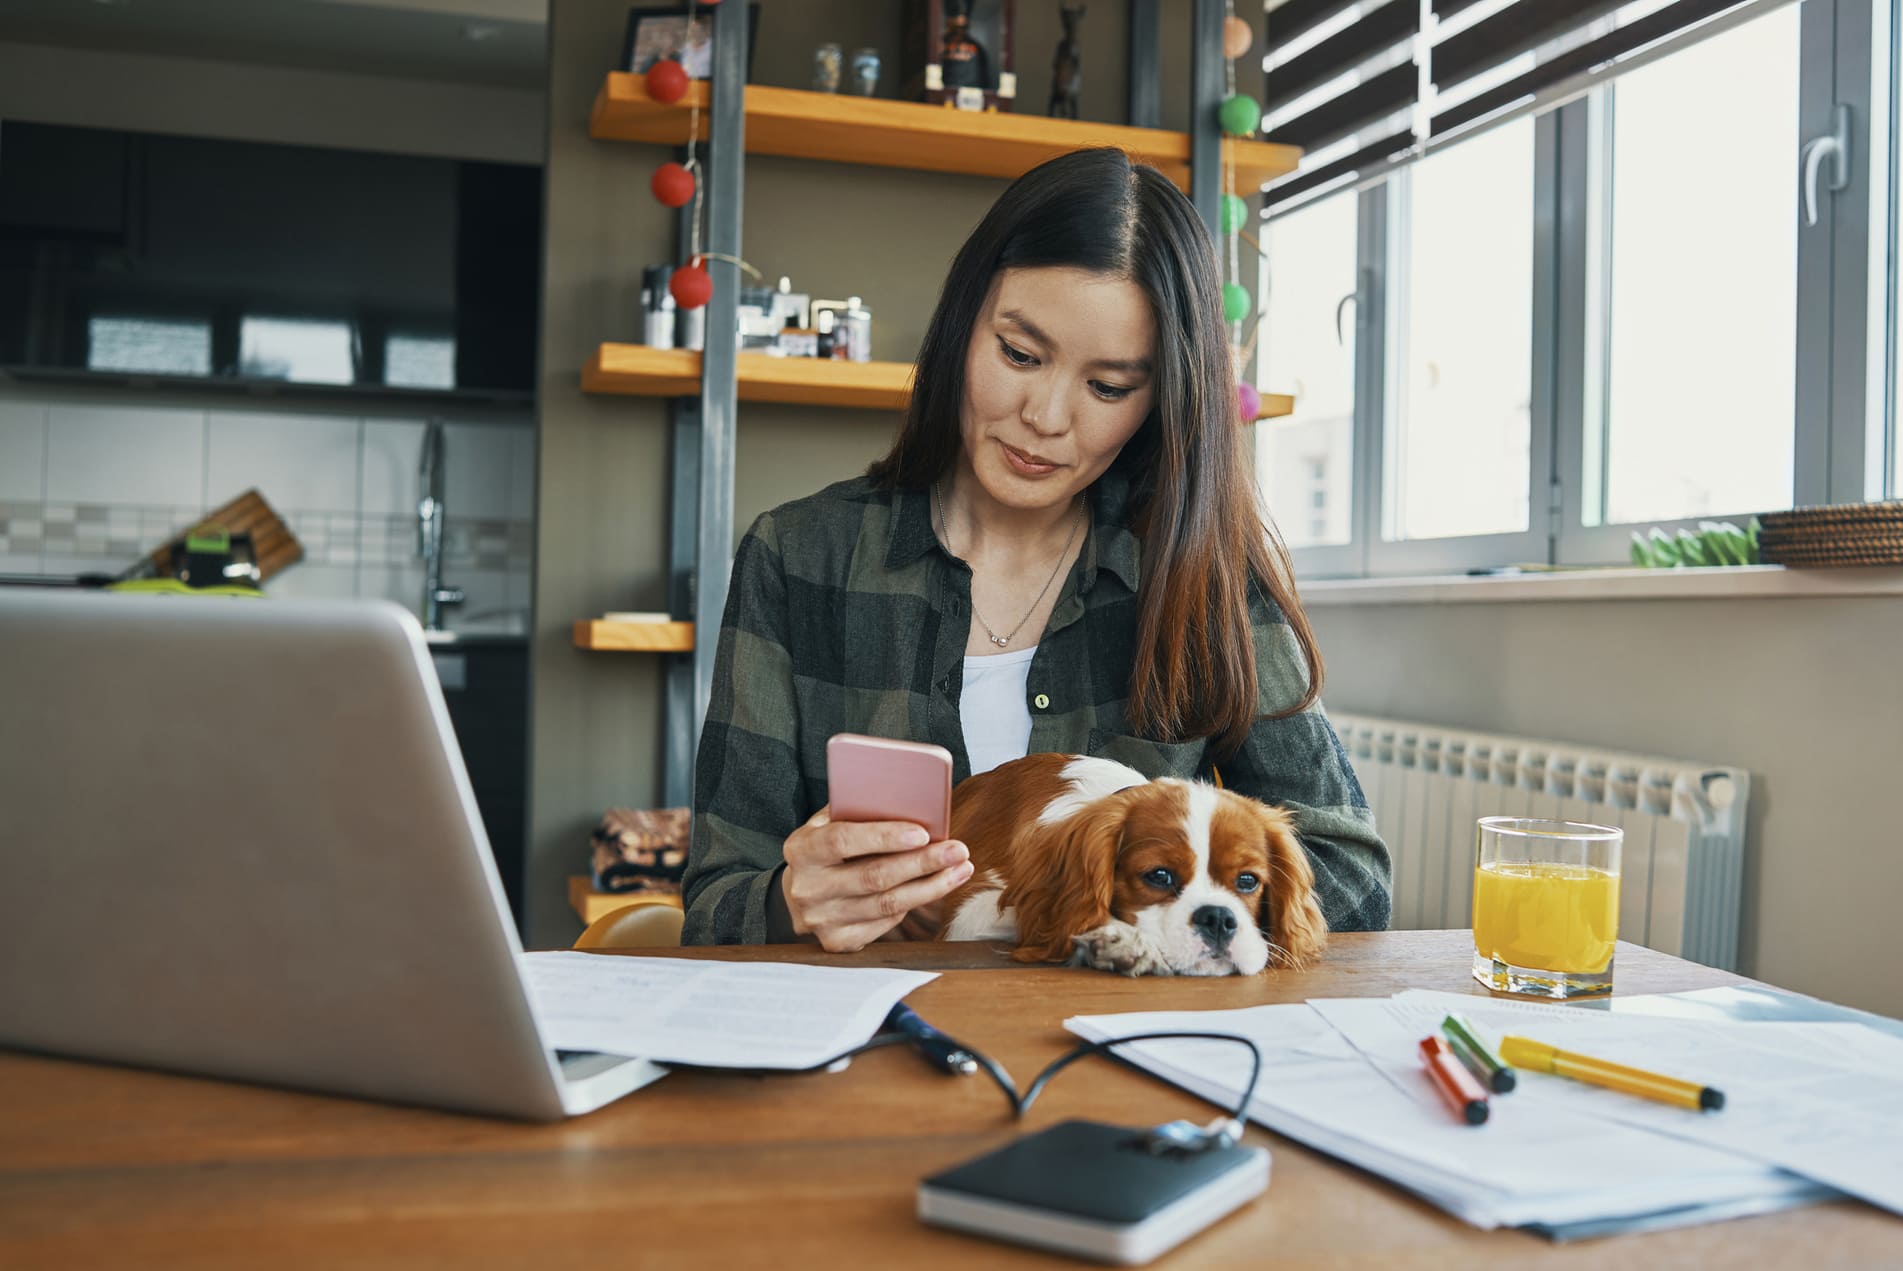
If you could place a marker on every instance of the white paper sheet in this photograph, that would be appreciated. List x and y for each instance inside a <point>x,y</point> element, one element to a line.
<point>718,1014</point>
<point>1543,1164</point>
<point>1824,1100</point>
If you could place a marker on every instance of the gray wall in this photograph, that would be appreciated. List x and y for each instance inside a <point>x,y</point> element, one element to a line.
<point>1805,692</point>
<point>236,101</point>
<point>882,234</point>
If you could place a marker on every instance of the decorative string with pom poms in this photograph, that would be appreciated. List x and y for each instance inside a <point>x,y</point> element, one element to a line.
<point>676,184</point>
<point>1238,116</point>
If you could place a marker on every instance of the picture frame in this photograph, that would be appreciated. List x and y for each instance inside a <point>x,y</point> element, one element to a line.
<point>656,31</point>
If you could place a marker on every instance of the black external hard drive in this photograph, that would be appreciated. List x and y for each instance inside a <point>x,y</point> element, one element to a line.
<point>1107,1192</point>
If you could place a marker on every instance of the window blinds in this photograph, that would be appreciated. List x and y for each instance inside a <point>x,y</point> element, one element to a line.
<point>1362,85</point>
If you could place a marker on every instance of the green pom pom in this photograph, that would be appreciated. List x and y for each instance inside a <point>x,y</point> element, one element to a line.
<point>1235,213</point>
<point>1235,302</point>
<point>1240,115</point>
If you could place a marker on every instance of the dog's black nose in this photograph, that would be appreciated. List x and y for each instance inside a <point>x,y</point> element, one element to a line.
<point>1217,924</point>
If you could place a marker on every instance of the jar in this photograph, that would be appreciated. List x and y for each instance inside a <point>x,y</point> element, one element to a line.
<point>826,64</point>
<point>865,72</point>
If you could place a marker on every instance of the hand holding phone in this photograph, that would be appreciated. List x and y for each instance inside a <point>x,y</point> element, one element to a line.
<point>877,851</point>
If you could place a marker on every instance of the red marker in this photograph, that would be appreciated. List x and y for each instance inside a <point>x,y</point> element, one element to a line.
<point>1456,1085</point>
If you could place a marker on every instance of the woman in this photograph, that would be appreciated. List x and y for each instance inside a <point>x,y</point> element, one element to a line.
<point>1062,552</point>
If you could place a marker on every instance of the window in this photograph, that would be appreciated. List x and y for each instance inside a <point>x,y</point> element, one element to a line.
<point>1691,362</point>
<point>1309,270</point>
<point>158,346</point>
<point>1459,367</point>
<point>420,361</point>
<point>296,349</point>
<point>1607,314</point>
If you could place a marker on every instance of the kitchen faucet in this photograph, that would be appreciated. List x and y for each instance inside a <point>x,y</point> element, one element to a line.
<point>429,529</point>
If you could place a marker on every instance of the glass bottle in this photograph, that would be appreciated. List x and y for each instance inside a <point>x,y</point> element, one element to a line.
<point>962,59</point>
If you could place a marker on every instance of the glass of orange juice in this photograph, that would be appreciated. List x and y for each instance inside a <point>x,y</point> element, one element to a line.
<point>1546,906</point>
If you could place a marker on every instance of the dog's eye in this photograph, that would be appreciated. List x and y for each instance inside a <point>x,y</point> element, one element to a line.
<point>1162,879</point>
<point>1246,883</point>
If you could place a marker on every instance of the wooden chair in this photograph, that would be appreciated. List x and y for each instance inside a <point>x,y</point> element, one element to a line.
<point>636,927</point>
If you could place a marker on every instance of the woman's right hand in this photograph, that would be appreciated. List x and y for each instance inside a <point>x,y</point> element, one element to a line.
<point>850,882</point>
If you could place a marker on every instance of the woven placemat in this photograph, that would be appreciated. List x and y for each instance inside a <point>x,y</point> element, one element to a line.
<point>1848,536</point>
<point>1837,515</point>
<point>1874,554</point>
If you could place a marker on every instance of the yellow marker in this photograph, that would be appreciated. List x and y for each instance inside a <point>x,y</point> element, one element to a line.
<point>1523,1052</point>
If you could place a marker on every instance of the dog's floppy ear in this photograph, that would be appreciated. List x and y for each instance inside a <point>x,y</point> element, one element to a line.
<point>1289,916</point>
<point>1064,880</point>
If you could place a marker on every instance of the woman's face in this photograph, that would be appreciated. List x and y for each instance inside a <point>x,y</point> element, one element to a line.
<point>1058,376</point>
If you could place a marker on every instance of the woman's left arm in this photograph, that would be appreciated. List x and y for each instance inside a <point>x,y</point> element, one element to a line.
<point>1298,763</point>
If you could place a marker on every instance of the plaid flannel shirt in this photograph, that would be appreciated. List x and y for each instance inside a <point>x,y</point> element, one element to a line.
<point>846,614</point>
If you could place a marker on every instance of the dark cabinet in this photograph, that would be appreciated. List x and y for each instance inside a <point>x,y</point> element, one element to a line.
<point>486,686</point>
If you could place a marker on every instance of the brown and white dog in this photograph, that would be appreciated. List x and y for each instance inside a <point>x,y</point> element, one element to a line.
<point>1088,861</point>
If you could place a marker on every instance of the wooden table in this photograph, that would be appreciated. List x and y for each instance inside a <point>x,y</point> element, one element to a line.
<point>106,1166</point>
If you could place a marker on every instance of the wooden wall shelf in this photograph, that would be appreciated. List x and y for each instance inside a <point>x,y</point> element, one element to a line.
<point>640,371</point>
<point>634,637</point>
<point>895,134</point>
<point>645,372</point>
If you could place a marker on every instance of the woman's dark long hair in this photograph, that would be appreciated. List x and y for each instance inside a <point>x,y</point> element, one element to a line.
<point>1193,501</point>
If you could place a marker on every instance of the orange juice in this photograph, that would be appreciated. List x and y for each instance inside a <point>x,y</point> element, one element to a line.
<point>1546,916</point>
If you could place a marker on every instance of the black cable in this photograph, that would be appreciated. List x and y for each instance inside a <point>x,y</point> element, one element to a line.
<point>1020,1104</point>
<point>1106,1049</point>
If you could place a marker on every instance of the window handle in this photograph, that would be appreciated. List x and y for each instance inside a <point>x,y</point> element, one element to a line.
<point>1835,149</point>
<point>1343,303</point>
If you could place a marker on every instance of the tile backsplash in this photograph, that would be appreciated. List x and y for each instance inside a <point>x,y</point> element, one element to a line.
<point>90,487</point>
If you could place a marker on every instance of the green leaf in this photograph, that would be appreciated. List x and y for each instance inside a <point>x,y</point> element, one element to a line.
<point>1664,549</point>
<point>1720,543</point>
<point>1690,550</point>
<point>1641,551</point>
<point>1754,556</point>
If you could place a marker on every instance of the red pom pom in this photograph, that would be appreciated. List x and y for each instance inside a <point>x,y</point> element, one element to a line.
<point>1248,402</point>
<point>691,286</point>
<point>673,185</point>
<point>667,81</point>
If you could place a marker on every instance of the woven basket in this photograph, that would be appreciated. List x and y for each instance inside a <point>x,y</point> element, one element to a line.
<point>1844,534</point>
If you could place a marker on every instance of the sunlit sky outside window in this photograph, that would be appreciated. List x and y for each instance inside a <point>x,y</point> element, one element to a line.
<point>1312,255</point>
<point>1461,339</point>
<point>1700,364</point>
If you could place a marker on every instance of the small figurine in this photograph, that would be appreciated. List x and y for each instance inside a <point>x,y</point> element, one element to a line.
<point>1067,66</point>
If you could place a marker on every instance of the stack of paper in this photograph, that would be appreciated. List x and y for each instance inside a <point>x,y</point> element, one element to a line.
<point>1343,1077</point>
<point>716,1014</point>
<point>1824,1100</point>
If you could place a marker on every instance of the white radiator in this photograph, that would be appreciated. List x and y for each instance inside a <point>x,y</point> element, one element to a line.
<point>1681,866</point>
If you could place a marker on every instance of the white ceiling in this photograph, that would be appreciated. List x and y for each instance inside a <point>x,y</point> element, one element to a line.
<point>495,42</point>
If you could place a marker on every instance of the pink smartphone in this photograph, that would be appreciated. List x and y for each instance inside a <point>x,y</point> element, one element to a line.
<point>879,779</point>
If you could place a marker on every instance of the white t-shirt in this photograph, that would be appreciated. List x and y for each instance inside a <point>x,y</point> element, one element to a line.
<point>992,710</point>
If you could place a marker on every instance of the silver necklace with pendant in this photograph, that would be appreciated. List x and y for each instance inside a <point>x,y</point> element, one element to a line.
<point>938,505</point>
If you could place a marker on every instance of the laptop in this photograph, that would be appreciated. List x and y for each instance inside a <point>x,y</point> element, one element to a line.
<point>237,840</point>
